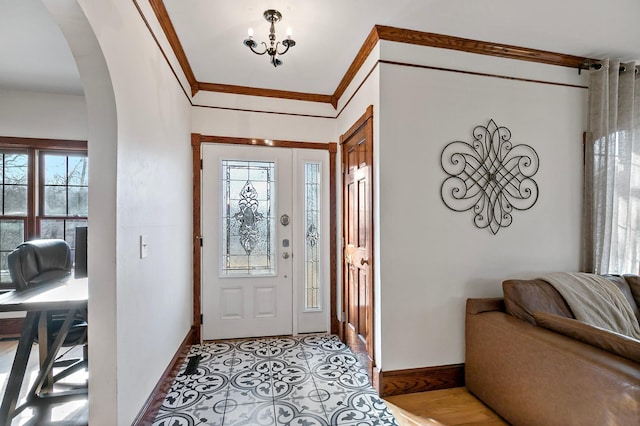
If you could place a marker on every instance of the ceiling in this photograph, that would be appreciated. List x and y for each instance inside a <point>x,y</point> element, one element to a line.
<point>328,34</point>
<point>35,55</point>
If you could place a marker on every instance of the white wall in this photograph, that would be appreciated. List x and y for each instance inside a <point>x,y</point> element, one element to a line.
<point>154,198</point>
<point>263,125</point>
<point>432,258</point>
<point>141,315</point>
<point>42,115</point>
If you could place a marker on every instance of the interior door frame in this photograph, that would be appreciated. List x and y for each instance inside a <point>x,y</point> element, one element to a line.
<point>197,140</point>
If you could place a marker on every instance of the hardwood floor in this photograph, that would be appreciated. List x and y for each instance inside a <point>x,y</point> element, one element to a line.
<point>450,407</point>
<point>71,413</point>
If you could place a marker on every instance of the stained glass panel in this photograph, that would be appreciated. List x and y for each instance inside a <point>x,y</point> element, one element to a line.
<point>248,224</point>
<point>312,248</point>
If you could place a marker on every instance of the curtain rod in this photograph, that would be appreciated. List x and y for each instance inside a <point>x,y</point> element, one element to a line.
<point>589,64</point>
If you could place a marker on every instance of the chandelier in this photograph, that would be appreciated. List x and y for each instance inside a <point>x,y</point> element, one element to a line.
<point>271,16</point>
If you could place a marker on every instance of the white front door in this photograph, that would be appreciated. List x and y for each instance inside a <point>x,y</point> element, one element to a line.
<point>259,205</point>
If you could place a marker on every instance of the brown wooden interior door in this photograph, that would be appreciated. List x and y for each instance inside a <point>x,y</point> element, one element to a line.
<point>357,158</point>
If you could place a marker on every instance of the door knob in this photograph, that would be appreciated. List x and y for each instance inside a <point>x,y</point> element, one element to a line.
<point>285,255</point>
<point>364,261</point>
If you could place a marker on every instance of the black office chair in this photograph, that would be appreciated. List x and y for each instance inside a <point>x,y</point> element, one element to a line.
<point>37,262</point>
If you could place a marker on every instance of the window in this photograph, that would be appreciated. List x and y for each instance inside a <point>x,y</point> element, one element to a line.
<point>44,188</point>
<point>312,248</point>
<point>14,205</point>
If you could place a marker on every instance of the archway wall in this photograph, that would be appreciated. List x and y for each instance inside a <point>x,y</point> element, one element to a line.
<point>140,185</point>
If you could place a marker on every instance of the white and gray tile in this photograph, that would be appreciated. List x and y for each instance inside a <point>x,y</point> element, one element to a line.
<point>309,380</point>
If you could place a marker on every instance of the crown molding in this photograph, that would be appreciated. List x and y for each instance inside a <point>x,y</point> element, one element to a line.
<point>378,32</point>
<point>441,41</point>
<point>269,93</point>
<point>170,33</point>
<point>362,55</point>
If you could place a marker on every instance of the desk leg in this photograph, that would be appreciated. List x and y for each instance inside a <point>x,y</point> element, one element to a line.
<point>43,347</point>
<point>19,367</point>
<point>47,366</point>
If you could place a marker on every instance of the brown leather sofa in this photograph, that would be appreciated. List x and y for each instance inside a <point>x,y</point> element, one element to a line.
<point>531,375</point>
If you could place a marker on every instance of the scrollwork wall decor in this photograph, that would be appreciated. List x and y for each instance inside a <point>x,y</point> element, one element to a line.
<point>490,176</point>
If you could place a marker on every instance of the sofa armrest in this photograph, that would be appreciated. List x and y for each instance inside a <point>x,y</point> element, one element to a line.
<point>610,341</point>
<point>477,306</point>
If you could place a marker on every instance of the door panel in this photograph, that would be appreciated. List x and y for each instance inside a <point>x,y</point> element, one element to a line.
<point>246,280</point>
<point>232,303</point>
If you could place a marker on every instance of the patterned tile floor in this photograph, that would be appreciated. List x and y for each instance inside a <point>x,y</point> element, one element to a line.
<point>304,381</point>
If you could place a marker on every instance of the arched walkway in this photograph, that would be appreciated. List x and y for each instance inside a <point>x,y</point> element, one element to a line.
<point>102,139</point>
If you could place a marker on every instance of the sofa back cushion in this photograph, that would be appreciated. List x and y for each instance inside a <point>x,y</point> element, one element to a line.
<point>624,287</point>
<point>524,297</point>
<point>634,286</point>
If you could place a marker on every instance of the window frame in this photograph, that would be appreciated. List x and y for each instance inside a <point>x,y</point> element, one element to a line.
<point>35,148</point>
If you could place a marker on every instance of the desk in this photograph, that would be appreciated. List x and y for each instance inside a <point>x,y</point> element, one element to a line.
<point>70,296</point>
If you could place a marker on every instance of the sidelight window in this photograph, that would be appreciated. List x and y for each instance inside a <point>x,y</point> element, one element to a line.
<point>312,237</point>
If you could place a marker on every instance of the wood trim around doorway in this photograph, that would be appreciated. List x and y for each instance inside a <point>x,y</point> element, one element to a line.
<point>363,345</point>
<point>197,140</point>
<point>196,147</point>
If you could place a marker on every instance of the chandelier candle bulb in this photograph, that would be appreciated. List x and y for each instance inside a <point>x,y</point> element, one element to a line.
<point>250,32</point>
<point>289,32</point>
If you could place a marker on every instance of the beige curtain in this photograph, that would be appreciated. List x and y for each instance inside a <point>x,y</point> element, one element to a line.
<point>611,223</point>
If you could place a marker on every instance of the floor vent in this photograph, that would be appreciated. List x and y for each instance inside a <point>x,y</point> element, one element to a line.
<point>192,365</point>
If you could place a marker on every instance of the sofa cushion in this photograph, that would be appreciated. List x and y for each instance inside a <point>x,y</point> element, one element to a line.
<point>524,297</point>
<point>623,284</point>
<point>604,339</point>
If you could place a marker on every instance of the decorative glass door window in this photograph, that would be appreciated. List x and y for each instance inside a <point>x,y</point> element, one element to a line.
<point>248,223</point>
<point>312,246</point>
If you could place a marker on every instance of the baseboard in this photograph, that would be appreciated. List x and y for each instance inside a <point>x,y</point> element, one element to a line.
<point>400,382</point>
<point>150,409</point>
<point>10,327</point>
<point>376,376</point>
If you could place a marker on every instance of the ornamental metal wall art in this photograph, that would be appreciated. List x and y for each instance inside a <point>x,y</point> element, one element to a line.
<point>490,176</point>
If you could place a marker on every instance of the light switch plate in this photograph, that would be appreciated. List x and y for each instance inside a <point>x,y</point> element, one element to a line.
<point>144,247</point>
